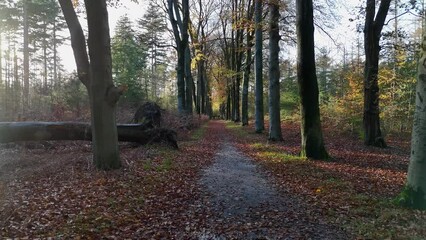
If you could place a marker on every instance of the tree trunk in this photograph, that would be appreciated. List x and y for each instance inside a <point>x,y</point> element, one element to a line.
<point>372,31</point>
<point>312,139</point>
<point>203,87</point>
<point>26,58</point>
<point>274,74</point>
<point>180,71</point>
<point>246,79</point>
<point>259,114</point>
<point>189,82</point>
<point>247,65</point>
<point>104,95</point>
<point>180,32</point>
<point>55,54</point>
<point>44,47</point>
<point>47,131</point>
<point>414,194</point>
<point>78,42</point>
<point>238,63</point>
<point>1,57</point>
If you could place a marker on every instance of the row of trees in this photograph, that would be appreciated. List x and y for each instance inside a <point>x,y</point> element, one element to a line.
<point>33,80</point>
<point>29,41</point>
<point>220,59</point>
<point>231,65</point>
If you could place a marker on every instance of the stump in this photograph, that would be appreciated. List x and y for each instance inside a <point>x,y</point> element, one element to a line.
<point>148,113</point>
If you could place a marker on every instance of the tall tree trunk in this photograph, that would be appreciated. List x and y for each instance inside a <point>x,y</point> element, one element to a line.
<point>180,32</point>
<point>246,79</point>
<point>414,194</point>
<point>55,55</point>
<point>1,58</point>
<point>104,94</point>
<point>228,105</point>
<point>16,84</point>
<point>189,82</point>
<point>238,63</point>
<point>180,71</point>
<point>201,89</point>
<point>372,31</point>
<point>247,65</point>
<point>274,73</point>
<point>44,47</point>
<point>312,138</point>
<point>259,114</point>
<point>26,58</point>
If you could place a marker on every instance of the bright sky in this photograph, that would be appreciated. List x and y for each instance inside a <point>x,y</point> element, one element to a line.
<point>343,33</point>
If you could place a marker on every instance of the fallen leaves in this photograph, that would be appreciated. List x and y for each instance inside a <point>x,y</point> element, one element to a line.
<point>57,193</point>
<point>355,189</point>
<point>66,197</point>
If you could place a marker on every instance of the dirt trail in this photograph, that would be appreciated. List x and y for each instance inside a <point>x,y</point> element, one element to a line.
<point>248,206</point>
<point>230,198</point>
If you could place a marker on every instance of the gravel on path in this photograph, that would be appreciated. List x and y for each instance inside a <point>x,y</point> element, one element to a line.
<point>246,205</point>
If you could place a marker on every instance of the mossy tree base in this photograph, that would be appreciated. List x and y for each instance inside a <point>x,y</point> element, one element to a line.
<point>412,198</point>
<point>316,154</point>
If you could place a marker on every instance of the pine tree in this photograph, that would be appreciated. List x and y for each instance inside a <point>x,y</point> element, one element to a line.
<point>128,59</point>
<point>153,28</point>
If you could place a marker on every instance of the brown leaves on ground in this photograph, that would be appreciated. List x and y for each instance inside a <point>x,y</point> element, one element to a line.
<point>356,188</point>
<point>52,190</point>
<point>62,195</point>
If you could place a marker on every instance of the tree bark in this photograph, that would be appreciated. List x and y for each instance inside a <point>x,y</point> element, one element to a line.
<point>78,42</point>
<point>104,95</point>
<point>312,138</point>
<point>180,31</point>
<point>274,73</point>
<point>372,31</point>
<point>189,82</point>
<point>414,194</point>
<point>26,58</point>
<point>246,79</point>
<point>259,113</point>
<point>48,131</point>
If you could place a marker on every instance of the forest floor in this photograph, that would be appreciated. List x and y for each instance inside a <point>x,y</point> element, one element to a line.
<point>225,182</point>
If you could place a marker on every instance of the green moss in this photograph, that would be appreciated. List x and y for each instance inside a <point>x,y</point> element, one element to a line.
<point>166,165</point>
<point>147,165</point>
<point>411,198</point>
<point>236,128</point>
<point>199,132</point>
<point>317,154</point>
<point>258,146</point>
<point>279,156</point>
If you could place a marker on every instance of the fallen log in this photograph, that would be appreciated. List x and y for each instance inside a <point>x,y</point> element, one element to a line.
<point>46,131</point>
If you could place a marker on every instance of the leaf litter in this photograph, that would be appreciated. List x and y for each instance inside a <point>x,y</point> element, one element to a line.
<point>158,194</point>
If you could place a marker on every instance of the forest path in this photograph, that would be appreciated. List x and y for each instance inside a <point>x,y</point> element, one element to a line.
<point>247,205</point>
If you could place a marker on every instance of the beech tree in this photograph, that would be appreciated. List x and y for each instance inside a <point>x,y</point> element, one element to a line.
<point>247,64</point>
<point>97,78</point>
<point>201,30</point>
<point>312,138</point>
<point>26,57</point>
<point>372,31</point>
<point>274,72</point>
<point>258,66</point>
<point>179,19</point>
<point>414,194</point>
